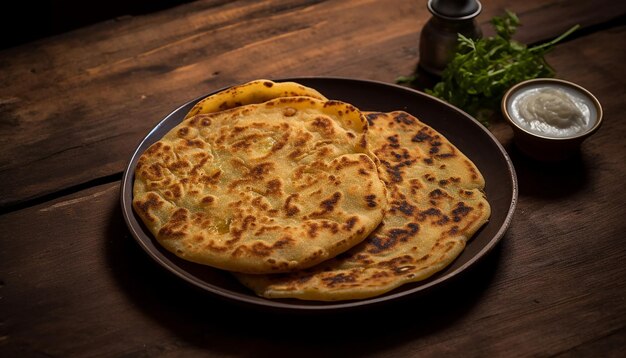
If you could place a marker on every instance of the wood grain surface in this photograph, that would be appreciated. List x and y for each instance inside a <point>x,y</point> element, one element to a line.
<point>73,282</point>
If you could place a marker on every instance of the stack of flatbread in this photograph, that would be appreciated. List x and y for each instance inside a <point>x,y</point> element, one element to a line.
<point>306,197</point>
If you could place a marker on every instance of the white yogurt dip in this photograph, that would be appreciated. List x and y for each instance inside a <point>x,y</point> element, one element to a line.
<point>552,110</point>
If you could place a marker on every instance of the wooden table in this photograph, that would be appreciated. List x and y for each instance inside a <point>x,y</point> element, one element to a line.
<point>73,107</point>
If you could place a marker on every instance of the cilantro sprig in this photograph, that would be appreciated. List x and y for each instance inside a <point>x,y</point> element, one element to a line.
<point>483,70</point>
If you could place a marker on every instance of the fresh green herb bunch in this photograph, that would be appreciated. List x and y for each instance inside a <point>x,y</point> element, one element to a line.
<point>483,70</point>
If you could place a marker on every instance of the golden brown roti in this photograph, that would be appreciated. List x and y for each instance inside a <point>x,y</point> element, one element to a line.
<point>253,92</point>
<point>262,188</point>
<point>436,204</point>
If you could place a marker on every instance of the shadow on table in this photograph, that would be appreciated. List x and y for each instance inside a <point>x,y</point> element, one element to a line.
<point>550,180</point>
<point>211,324</point>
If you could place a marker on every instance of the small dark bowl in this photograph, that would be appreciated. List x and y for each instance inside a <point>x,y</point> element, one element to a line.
<point>543,147</point>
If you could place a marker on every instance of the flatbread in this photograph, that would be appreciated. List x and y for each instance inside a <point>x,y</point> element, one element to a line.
<point>436,204</point>
<point>253,92</point>
<point>261,188</point>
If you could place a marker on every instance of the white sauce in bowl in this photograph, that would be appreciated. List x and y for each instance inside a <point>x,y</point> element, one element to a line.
<point>552,110</point>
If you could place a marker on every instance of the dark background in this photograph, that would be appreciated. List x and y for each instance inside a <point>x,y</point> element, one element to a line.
<point>23,21</point>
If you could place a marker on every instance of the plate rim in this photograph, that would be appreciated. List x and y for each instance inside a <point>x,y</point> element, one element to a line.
<point>129,216</point>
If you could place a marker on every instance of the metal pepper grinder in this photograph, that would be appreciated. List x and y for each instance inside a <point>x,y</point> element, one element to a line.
<point>438,40</point>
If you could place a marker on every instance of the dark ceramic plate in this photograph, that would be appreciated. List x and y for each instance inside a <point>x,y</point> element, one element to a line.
<point>462,130</point>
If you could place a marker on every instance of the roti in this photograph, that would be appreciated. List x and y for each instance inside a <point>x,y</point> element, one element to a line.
<point>261,188</point>
<point>253,92</point>
<point>436,203</point>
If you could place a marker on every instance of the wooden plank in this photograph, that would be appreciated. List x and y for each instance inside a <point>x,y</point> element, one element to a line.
<point>73,107</point>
